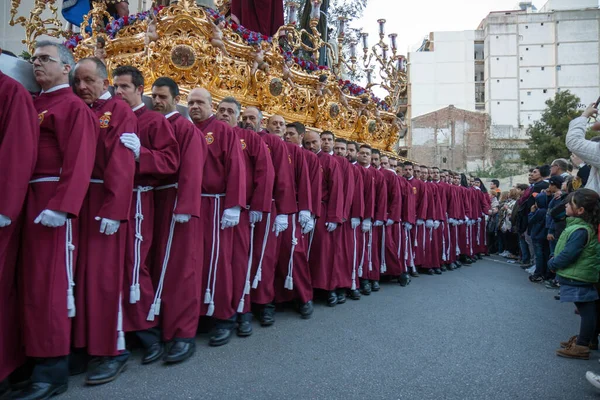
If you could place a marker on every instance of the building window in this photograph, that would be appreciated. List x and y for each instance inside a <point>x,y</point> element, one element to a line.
<point>521,80</point>
<point>558,67</point>
<point>521,58</point>
<point>522,103</point>
<point>497,37</point>
<point>526,27</point>
<point>545,90</point>
<point>542,24</point>
<point>444,160</point>
<point>526,48</point>
<point>527,71</point>
<point>528,93</point>
<point>543,68</point>
<point>498,103</point>
<point>497,59</point>
<point>498,80</point>
<point>542,46</point>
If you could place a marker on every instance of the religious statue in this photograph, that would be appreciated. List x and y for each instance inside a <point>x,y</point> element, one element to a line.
<point>216,38</point>
<point>322,88</point>
<point>362,109</point>
<point>343,99</point>
<point>100,51</point>
<point>287,72</point>
<point>258,60</point>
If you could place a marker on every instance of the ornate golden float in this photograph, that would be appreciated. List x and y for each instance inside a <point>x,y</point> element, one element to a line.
<point>193,46</point>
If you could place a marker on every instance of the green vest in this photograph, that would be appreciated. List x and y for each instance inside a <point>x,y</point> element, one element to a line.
<point>587,266</point>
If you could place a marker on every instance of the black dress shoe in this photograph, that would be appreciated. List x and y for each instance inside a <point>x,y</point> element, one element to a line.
<point>375,286</point>
<point>458,264</point>
<point>404,279</point>
<point>430,271</point>
<point>479,256</point>
<point>220,337</point>
<point>153,353</point>
<point>414,274</point>
<point>107,370</point>
<point>557,297</point>
<point>437,271</point>
<point>244,329</point>
<point>306,310</point>
<point>341,296</point>
<point>5,389</point>
<point>365,287</point>
<point>40,390</point>
<point>332,300</point>
<point>267,315</point>
<point>443,268</point>
<point>354,295</point>
<point>180,351</point>
<point>450,267</point>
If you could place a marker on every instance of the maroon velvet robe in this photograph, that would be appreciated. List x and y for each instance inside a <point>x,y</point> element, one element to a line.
<point>422,203</point>
<point>67,149</point>
<point>19,136</point>
<point>264,16</point>
<point>364,238</point>
<point>180,295</point>
<point>223,187</point>
<point>159,158</point>
<point>293,244</point>
<point>260,177</point>
<point>406,236</point>
<point>101,258</point>
<point>388,246</point>
<point>266,248</point>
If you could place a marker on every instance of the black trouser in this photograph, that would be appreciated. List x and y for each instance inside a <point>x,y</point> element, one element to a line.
<point>587,312</point>
<point>226,323</point>
<point>148,337</point>
<point>53,370</point>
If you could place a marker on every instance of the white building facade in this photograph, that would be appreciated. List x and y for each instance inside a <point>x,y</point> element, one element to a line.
<point>508,68</point>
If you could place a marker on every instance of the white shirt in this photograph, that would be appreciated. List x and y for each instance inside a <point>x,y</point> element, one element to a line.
<point>55,88</point>
<point>587,150</point>
<point>169,115</point>
<point>139,106</point>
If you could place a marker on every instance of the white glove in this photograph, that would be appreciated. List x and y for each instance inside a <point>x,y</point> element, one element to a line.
<point>478,220</point>
<point>255,216</point>
<point>420,222</point>
<point>389,222</point>
<point>407,226</point>
<point>330,226</point>
<point>466,219</point>
<point>429,224</point>
<point>182,218</point>
<point>308,227</point>
<point>366,225</point>
<point>304,217</point>
<point>132,142</point>
<point>280,224</point>
<point>355,222</point>
<point>231,217</point>
<point>378,223</point>
<point>108,226</point>
<point>436,224</point>
<point>51,219</point>
<point>4,221</point>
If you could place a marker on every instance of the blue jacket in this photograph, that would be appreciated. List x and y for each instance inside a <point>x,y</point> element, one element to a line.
<point>537,220</point>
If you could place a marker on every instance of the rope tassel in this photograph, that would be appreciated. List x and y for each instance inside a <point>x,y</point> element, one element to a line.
<point>246,290</point>
<point>289,279</point>
<point>258,276</point>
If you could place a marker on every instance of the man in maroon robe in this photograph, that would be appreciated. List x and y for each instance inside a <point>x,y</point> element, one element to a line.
<point>224,196</point>
<point>260,177</point>
<point>376,234</point>
<point>98,326</point>
<point>177,269</point>
<point>321,259</point>
<point>157,157</point>
<point>418,233</point>
<point>65,160</point>
<point>347,249</point>
<point>406,243</point>
<point>19,136</point>
<point>264,16</point>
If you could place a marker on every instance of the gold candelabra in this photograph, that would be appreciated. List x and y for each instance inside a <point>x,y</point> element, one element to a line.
<point>36,25</point>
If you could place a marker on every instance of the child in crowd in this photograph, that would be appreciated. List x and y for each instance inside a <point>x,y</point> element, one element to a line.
<point>577,265</point>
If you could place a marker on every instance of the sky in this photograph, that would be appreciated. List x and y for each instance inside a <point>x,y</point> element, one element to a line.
<point>413,20</point>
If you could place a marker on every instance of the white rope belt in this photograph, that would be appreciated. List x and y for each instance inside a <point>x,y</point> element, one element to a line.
<point>370,249</point>
<point>134,289</point>
<point>96,181</point>
<point>424,237</point>
<point>354,260</point>
<point>362,256</point>
<point>383,263</point>
<point>410,249</point>
<point>400,241</point>
<point>444,254</point>
<point>449,240</point>
<point>289,279</point>
<point>173,185</point>
<point>209,295</point>
<point>69,249</point>
<point>258,276</point>
<point>478,231</point>
<point>120,333</point>
<point>312,235</point>
<point>45,179</point>
<point>246,290</point>
<point>456,234</point>
<point>155,307</point>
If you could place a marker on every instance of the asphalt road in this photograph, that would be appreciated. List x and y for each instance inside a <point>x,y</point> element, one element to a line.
<point>482,332</point>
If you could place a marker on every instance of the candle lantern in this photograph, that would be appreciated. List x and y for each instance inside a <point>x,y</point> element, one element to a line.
<point>342,26</point>
<point>315,12</point>
<point>292,12</point>
<point>365,40</point>
<point>381,26</point>
<point>393,37</point>
<point>352,49</point>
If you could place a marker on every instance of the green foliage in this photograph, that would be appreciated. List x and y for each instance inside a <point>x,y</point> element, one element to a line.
<point>499,170</point>
<point>25,55</point>
<point>547,136</point>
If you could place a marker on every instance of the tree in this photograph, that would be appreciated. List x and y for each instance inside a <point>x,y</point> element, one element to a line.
<point>547,136</point>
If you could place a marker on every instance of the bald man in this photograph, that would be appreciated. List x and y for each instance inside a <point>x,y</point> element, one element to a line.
<point>223,197</point>
<point>324,269</point>
<point>276,125</point>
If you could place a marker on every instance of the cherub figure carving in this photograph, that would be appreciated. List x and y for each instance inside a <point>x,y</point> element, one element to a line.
<point>343,99</point>
<point>216,38</point>
<point>151,32</point>
<point>362,109</point>
<point>99,50</point>
<point>322,88</point>
<point>287,72</point>
<point>377,116</point>
<point>258,60</point>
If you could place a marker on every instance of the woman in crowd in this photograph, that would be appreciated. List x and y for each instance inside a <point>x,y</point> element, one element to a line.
<point>509,239</point>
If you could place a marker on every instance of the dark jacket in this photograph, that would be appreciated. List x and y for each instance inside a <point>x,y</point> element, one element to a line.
<point>557,213</point>
<point>537,219</point>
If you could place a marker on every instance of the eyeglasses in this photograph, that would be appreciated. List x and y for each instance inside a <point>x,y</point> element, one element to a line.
<point>43,59</point>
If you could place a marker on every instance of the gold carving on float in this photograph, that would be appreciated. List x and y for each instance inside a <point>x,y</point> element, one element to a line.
<point>177,43</point>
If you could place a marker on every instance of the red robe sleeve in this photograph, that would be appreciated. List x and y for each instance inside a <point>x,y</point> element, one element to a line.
<point>369,186</point>
<point>159,153</point>
<point>394,206</point>
<point>192,153</point>
<point>284,191</point>
<point>349,183</point>
<point>316,182</point>
<point>381,198</point>
<point>357,210</point>
<point>422,200</point>
<point>264,173</point>
<point>19,136</point>
<point>119,163</point>
<point>334,181</point>
<point>77,134</point>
